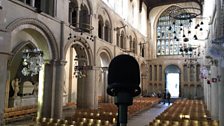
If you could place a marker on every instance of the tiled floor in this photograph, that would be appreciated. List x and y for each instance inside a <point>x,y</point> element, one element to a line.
<point>141,119</point>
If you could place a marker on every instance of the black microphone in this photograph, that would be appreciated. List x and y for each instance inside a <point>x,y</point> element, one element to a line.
<point>123,74</point>
<point>123,83</point>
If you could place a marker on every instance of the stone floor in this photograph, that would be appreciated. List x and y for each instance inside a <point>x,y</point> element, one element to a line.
<point>141,119</point>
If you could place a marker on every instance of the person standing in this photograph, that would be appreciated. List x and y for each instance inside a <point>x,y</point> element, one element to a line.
<point>168,97</point>
<point>164,97</point>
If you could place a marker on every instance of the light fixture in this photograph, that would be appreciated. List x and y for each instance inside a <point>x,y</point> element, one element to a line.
<point>182,19</point>
<point>32,61</point>
<point>191,55</point>
<point>79,70</point>
<point>185,13</point>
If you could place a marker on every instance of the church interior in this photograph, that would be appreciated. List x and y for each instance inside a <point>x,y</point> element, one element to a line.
<point>55,56</point>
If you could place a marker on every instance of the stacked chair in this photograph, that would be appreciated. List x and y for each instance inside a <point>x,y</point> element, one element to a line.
<point>17,113</point>
<point>105,115</point>
<point>185,113</point>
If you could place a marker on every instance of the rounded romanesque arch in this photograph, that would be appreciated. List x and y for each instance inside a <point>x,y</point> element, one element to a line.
<point>172,80</point>
<point>29,34</point>
<point>33,25</point>
<point>83,43</point>
<point>104,56</point>
<point>79,73</point>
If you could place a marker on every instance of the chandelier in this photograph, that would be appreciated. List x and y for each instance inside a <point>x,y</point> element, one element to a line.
<point>185,13</point>
<point>32,61</point>
<point>182,20</point>
<point>81,67</point>
<point>191,54</point>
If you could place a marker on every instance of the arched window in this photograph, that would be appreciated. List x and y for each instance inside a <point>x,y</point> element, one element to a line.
<point>84,19</point>
<point>134,46</point>
<point>73,13</point>
<point>142,49</point>
<point>118,38</point>
<point>46,6</point>
<point>168,37</point>
<point>100,27</point>
<point>107,31</point>
<point>130,44</point>
<point>122,44</point>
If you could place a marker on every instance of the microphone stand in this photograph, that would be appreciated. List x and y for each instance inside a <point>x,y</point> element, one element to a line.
<point>123,100</point>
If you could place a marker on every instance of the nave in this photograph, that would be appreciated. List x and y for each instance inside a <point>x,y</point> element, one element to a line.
<point>150,111</point>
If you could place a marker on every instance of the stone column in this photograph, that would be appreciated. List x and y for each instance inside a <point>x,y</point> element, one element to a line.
<point>48,88</point>
<point>5,39</point>
<point>105,75</point>
<point>214,94</point>
<point>90,88</point>
<point>77,17</point>
<point>80,88</point>
<point>59,84</point>
<point>205,86</point>
<point>221,98</point>
<point>70,16</point>
<point>87,96</point>
<point>208,95</point>
<point>103,32</point>
<point>3,81</point>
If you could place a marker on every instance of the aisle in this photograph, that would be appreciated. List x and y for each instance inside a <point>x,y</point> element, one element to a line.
<point>143,118</point>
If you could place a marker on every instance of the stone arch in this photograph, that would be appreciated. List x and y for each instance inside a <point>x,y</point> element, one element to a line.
<point>104,56</point>
<point>106,14</point>
<point>106,50</point>
<point>102,11</point>
<point>73,8</point>
<point>83,43</point>
<point>90,5</point>
<point>43,28</point>
<point>79,72</point>
<point>29,33</point>
<point>172,73</point>
<point>100,26</point>
<point>107,31</point>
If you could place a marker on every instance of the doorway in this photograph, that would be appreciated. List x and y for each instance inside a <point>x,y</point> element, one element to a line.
<point>172,84</point>
<point>172,75</point>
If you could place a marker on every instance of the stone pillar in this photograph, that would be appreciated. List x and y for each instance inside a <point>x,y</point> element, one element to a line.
<point>80,92</point>
<point>3,81</point>
<point>221,98</point>
<point>90,88</point>
<point>205,86</point>
<point>87,96</point>
<point>105,74</point>
<point>5,39</point>
<point>214,94</point>
<point>77,17</point>
<point>48,88</point>
<point>103,32</point>
<point>208,95</point>
<point>70,16</point>
<point>58,95</point>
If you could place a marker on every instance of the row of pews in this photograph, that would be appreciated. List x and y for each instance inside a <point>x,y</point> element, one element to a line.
<point>17,113</point>
<point>105,115</point>
<point>185,113</point>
